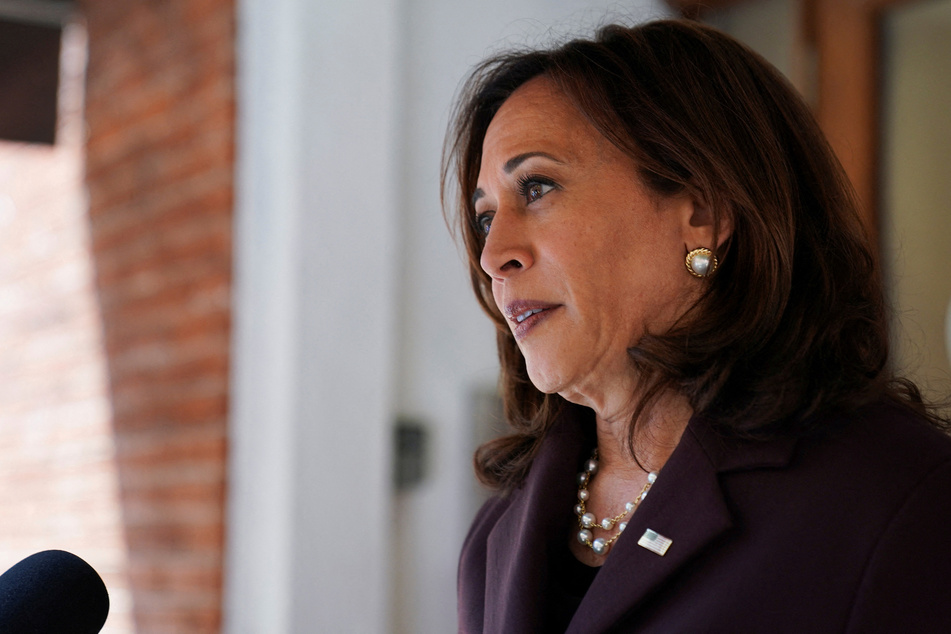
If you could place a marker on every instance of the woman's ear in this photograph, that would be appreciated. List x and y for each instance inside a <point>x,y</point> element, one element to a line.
<point>699,220</point>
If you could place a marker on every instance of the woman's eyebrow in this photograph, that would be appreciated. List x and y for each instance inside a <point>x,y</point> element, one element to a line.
<point>515,161</point>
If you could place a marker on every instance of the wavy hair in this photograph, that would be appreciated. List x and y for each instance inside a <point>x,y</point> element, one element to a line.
<point>794,319</point>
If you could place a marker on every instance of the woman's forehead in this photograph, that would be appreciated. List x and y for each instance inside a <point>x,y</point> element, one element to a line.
<point>538,117</point>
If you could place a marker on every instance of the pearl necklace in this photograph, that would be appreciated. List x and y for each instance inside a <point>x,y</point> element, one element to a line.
<point>587,522</point>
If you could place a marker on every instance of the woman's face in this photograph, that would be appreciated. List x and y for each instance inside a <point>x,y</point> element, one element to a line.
<point>583,259</point>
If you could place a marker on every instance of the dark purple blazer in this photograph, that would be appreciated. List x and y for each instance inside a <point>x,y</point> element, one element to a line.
<point>850,533</point>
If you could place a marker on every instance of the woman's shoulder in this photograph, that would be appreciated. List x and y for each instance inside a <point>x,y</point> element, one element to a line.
<point>869,459</point>
<point>874,466</point>
<point>902,463</point>
<point>853,521</point>
<point>886,437</point>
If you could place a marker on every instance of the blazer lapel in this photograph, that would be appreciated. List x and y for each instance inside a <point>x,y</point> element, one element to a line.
<point>520,545</point>
<point>685,505</point>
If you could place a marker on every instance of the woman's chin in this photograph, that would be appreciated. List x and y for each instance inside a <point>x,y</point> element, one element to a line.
<point>544,381</point>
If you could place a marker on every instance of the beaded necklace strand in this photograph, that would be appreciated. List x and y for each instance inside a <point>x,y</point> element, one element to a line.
<point>588,523</point>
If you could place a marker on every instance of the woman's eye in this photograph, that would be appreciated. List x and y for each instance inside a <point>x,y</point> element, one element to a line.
<point>533,188</point>
<point>484,222</point>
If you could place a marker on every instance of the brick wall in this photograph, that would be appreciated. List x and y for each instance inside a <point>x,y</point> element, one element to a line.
<point>159,151</point>
<point>115,317</point>
<point>58,477</point>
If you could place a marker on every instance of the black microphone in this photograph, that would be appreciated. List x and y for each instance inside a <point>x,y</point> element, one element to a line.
<point>51,592</point>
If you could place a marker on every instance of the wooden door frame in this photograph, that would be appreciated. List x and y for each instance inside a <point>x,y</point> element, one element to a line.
<point>846,43</point>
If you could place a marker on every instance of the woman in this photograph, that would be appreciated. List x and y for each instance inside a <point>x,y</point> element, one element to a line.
<point>686,307</point>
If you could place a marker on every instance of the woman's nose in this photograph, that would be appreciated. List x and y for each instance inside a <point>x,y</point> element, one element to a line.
<point>506,249</point>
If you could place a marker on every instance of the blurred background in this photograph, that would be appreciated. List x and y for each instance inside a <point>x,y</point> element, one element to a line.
<point>241,370</point>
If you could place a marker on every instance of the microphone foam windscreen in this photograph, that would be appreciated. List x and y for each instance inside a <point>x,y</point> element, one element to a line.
<point>52,591</point>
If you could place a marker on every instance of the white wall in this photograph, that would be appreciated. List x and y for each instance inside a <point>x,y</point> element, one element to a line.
<point>772,29</point>
<point>916,230</point>
<point>353,307</point>
<point>314,317</point>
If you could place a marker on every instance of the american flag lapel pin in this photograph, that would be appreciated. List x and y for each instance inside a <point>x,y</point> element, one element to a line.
<point>655,542</point>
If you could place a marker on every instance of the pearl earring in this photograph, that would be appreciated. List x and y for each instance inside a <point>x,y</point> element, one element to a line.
<point>701,262</point>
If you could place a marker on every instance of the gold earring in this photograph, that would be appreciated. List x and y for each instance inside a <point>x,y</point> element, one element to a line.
<point>701,262</point>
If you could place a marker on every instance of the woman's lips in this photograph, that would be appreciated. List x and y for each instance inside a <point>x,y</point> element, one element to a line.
<point>524,315</point>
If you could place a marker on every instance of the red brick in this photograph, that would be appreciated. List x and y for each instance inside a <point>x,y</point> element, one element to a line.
<point>130,338</point>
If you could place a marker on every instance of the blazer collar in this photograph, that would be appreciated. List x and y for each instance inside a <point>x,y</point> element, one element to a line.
<point>685,505</point>
<point>521,544</point>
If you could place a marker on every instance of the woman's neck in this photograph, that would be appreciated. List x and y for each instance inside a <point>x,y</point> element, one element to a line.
<point>656,435</point>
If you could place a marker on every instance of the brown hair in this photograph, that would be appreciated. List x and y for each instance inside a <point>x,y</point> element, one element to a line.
<point>792,322</point>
